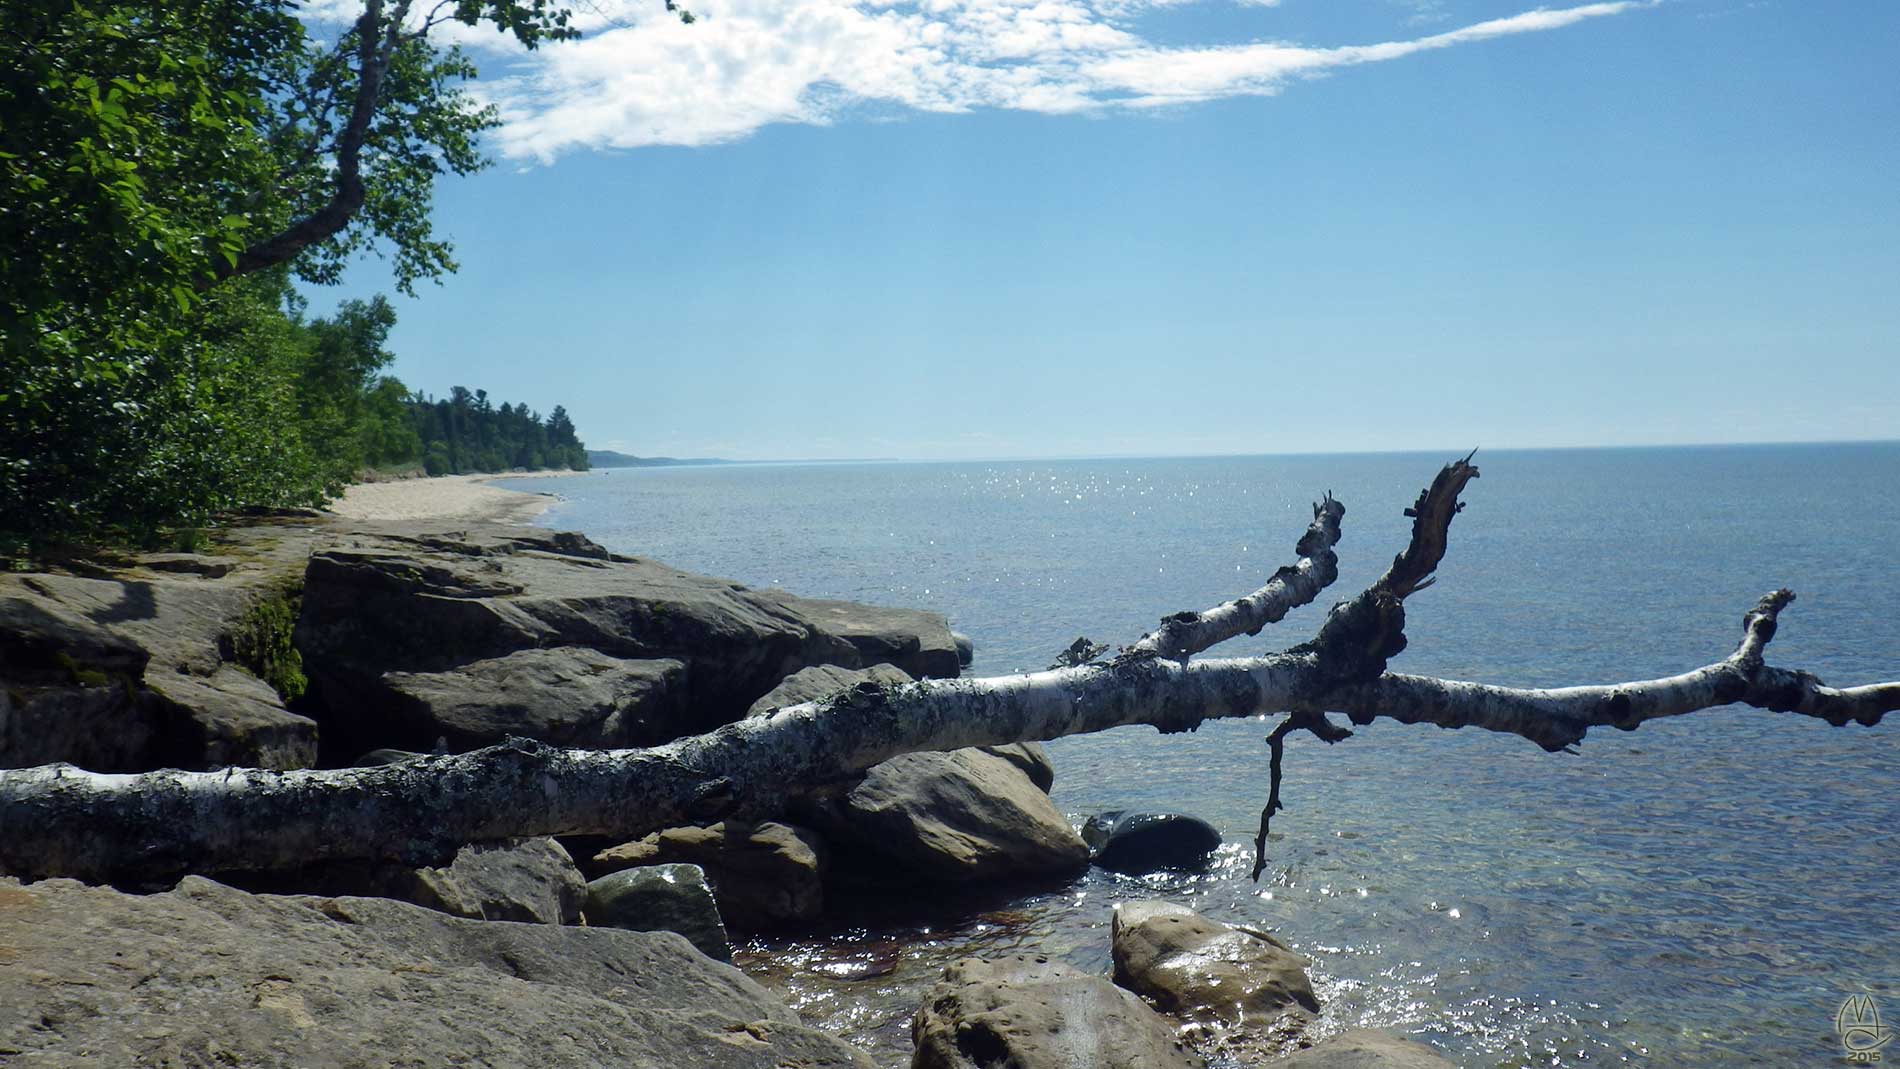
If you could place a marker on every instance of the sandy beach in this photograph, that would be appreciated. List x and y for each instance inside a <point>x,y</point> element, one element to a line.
<point>445,497</point>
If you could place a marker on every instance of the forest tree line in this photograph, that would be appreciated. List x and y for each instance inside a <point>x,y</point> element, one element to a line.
<point>169,172</point>
<point>250,402</point>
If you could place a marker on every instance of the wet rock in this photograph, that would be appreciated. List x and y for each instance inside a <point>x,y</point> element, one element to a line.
<point>1139,843</point>
<point>1031,759</point>
<point>1030,1013</point>
<point>1246,993</point>
<point>385,756</point>
<point>1366,1049</point>
<point>763,875</point>
<point>208,975</point>
<point>960,816</point>
<point>660,898</point>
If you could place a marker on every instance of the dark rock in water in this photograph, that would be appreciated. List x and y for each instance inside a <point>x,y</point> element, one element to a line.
<point>660,898</point>
<point>207,975</point>
<point>1246,992</point>
<point>1138,843</point>
<point>1366,1049</point>
<point>966,650</point>
<point>960,816</point>
<point>763,875</point>
<point>1031,1013</point>
<point>1031,759</point>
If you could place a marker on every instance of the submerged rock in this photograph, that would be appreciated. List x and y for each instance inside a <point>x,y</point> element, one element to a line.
<point>1137,843</point>
<point>1245,994</point>
<point>763,875</point>
<point>660,898</point>
<point>208,975</point>
<point>1031,1013</point>
<point>1366,1049</point>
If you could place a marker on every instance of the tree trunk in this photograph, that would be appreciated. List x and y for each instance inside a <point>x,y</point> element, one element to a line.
<point>57,820</point>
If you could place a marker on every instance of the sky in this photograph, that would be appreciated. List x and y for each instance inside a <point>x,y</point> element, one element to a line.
<point>942,229</point>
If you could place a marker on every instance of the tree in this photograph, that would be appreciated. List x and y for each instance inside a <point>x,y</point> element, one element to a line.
<point>58,820</point>
<point>154,149</point>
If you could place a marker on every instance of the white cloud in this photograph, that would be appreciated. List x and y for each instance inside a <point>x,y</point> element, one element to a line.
<point>640,77</point>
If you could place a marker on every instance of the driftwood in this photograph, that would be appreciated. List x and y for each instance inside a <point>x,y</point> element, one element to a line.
<point>57,820</point>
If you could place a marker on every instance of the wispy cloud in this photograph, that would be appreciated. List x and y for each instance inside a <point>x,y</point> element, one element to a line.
<point>641,78</point>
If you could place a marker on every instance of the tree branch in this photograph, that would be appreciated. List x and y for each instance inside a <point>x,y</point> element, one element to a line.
<point>59,820</point>
<point>1185,634</point>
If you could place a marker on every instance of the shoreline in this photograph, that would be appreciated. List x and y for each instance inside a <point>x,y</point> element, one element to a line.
<point>447,497</point>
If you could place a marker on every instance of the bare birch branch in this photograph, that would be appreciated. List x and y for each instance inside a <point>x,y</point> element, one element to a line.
<point>59,820</point>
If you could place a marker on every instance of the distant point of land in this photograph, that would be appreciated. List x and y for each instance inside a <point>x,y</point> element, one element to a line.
<point>607,458</point>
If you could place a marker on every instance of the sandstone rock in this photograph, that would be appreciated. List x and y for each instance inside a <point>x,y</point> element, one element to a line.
<point>966,650</point>
<point>207,975</point>
<point>568,696</point>
<point>959,816</point>
<point>136,670</point>
<point>660,898</point>
<point>1031,759</point>
<point>530,880</point>
<point>1138,843</point>
<point>763,875</point>
<point>424,622</point>
<point>1030,1013</point>
<point>1366,1049</point>
<point>1195,967</point>
<point>822,681</point>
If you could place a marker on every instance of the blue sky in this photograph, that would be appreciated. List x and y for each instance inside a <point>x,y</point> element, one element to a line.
<point>989,228</point>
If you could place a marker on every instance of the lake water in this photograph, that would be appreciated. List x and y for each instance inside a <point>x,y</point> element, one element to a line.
<point>1702,892</point>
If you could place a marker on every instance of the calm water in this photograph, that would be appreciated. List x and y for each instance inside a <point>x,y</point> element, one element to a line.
<point>1702,892</point>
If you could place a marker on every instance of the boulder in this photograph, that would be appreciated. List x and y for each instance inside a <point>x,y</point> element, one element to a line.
<point>763,876</point>
<point>411,632</point>
<point>1031,759</point>
<point>966,650</point>
<point>566,696</point>
<point>137,668</point>
<point>1028,1012</point>
<point>960,816</point>
<point>660,898</point>
<point>822,681</point>
<point>1200,969</point>
<point>1366,1049</point>
<point>207,975</point>
<point>1138,843</point>
<point>531,880</point>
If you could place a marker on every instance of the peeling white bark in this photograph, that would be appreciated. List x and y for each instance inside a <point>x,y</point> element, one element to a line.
<point>59,820</point>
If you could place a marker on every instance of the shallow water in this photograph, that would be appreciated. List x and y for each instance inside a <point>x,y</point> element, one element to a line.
<point>1702,892</point>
